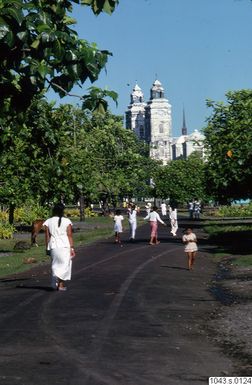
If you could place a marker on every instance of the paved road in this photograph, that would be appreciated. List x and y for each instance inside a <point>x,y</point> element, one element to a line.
<point>131,315</point>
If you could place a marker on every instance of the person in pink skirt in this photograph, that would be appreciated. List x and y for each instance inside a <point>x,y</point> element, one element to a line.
<point>153,217</point>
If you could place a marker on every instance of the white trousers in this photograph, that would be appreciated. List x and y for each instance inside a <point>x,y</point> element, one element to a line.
<point>133,226</point>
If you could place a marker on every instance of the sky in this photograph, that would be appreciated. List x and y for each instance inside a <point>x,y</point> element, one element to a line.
<point>197,49</point>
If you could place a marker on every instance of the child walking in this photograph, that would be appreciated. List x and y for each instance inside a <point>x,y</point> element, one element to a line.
<point>190,241</point>
<point>118,218</point>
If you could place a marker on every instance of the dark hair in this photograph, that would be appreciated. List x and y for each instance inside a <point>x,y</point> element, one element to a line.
<point>155,208</point>
<point>118,212</point>
<point>58,211</point>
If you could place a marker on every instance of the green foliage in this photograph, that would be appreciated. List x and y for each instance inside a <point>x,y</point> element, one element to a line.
<point>65,152</point>
<point>228,147</point>
<point>181,180</point>
<point>95,101</point>
<point>234,211</point>
<point>4,216</point>
<point>30,212</point>
<point>75,213</point>
<point>38,47</point>
<point>101,5</point>
<point>6,230</point>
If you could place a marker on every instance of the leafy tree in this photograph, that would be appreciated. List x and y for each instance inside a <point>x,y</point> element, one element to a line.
<point>30,156</point>
<point>109,161</point>
<point>228,146</point>
<point>65,152</point>
<point>38,48</point>
<point>181,180</point>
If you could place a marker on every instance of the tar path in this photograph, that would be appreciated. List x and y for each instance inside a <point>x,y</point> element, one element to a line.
<point>132,315</point>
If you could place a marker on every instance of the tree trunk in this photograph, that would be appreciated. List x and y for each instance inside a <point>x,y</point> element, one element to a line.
<point>11,213</point>
<point>82,209</point>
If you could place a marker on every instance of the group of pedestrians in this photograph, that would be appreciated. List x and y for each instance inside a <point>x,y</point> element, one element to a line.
<point>152,216</point>
<point>194,209</point>
<point>60,246</point>
<point>189,238</point>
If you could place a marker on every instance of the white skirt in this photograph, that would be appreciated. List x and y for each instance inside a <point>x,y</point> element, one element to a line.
<point>61,263</point>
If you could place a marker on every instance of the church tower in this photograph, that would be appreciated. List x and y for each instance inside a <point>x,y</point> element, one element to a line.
<point>158,124</point>
<point>135,115</point>
<point>184,128</point>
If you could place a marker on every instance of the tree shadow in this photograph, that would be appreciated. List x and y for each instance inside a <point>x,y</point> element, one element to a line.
<point>9,280</point>
<point>232,242</point>
<point>173,267</point>
<point>35,287</point>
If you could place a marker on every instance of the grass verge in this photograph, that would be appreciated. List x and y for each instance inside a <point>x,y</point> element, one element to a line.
<point>12,261</point>
<point>232,241</point>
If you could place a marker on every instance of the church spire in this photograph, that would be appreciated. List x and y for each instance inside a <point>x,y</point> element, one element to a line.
<point>184,128</point>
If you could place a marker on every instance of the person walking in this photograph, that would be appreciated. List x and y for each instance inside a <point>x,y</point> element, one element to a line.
<point>173,215</point>
<point>153,218</point>
<point>190,209</point>
<point>148,208</point>
<point>59,245</point>
<point>132,217</point>
<point>163,209</point>
<point>118,229</point>
<point>197,209</point>
<point>190,241</point>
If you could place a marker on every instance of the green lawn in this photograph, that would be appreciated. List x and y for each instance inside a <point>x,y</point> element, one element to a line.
<point>232,241</point>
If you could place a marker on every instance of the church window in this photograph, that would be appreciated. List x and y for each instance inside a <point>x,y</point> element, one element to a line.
<point>161,128</point>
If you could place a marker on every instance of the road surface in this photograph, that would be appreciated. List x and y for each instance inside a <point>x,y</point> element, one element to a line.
<point>132,315</point>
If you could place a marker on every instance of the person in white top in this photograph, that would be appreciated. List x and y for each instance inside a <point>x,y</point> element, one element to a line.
<point>153,218</point>
<point>148,208</point>
<point>132,217</point>
<point>59,245</point>
<point>173,220</point>
<point>190,241</point>
<point>118,218</point>
<point>163,209</point>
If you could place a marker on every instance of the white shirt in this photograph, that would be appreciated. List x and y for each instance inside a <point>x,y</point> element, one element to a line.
<point>153,216</point>
<point>132,216</point>
<point>58,234</point>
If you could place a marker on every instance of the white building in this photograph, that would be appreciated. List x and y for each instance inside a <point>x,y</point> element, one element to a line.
<point>186,144</point>
<point>152,122</point>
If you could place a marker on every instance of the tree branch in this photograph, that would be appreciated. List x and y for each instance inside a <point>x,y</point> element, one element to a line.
<point>63,90</point>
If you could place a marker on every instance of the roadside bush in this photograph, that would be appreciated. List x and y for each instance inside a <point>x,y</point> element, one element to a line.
<point>3,216</point>
<point>6,231</point>
<point>28,213</point>
<point>75,213</point>
<point>234,211</point>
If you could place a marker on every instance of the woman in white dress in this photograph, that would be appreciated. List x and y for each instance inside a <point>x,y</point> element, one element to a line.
<point>190,241</point>
<point>59,244</point>
<point>163,209</point>
<point>118,218</point>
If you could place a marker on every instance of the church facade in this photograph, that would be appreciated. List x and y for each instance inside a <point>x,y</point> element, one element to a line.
<point>152,122</point>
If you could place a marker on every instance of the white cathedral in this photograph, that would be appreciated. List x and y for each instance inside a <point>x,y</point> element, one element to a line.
<point>152,122</point>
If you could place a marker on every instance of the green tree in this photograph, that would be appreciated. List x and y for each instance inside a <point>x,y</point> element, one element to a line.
<point>65,152</point>
<point>38,49</point>
<point>108,160</point>
<point>181,180</point>
<point>228,147</point>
